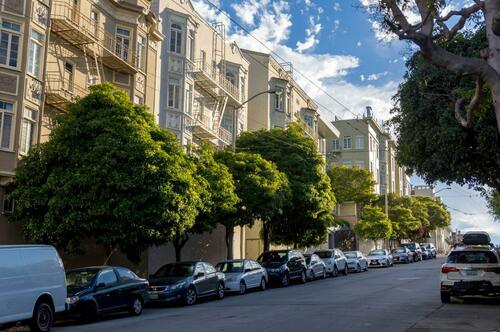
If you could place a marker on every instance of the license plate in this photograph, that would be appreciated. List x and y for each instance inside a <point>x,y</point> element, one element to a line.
<point>153,296</point>
<point>471,273</point>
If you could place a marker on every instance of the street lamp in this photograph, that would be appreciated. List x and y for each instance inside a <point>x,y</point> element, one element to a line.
<point>447,188</point>
<point>277,91</point>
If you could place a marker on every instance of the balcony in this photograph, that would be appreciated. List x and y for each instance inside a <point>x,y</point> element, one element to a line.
<point>60,91</point>
<point>225,136</point>
<point>210,80</point>
<point>80,31</point>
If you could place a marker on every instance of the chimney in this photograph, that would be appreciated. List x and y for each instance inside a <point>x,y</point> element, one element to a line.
<point>368,111</point>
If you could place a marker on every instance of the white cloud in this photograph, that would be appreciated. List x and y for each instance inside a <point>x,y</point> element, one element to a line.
<point>210,13</point>
<point>337,7</point>
<point>311,36</point>
<point>359,44</point>
<point>375,77</point>
<point>362,77</point>
<point>247,10</point>
<point>478,222</point>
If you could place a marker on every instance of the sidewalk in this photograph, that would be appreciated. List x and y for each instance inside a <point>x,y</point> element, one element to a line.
<point>474,315</point>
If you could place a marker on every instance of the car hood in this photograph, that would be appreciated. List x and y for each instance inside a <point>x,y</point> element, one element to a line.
<point>397,254</point>
<point>232,275</point>
<point>376,257</point>
<point>352,260</point>
<point>166,281</point>
<point>272,265</point>
<point>77,291</point>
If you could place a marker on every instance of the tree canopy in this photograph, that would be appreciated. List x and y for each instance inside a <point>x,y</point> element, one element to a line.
<point>107,174</point>
<point>351,184</point>
<point>304,219</point>
<point>374,224</point>
<point>430,143</point>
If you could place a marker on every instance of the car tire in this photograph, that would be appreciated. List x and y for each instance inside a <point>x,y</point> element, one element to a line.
<point>243,287</point>
<point>303,277</point>
<point>136,306</point>
<point>346,270</point>
<point>285,281</point>
<point>324,273</point>
<point>358,268</point>
<point>89,313</point>
<point>335,272</point>
<point>191,297</point>
<point>43,317</point>
<point>366,267</point>
<point>221,291</point>
<point>445,297</point>
<point>263,284</point>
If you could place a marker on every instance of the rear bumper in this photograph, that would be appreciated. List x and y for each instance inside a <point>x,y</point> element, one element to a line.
<point>460,288</point>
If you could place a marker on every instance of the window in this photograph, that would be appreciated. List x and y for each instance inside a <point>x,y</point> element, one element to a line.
<point>173,93</point>
<point>308,119</point>
<point>138,100</point>
<point>8,204</point>
<point>360,142</point>
<point>190,46</point>
<point>35,51</point>
<point>94,17</point>
<point>209,268</point>
<point>68,76</point>
<point>28,130</point>
<point>6,124</point>
<point>370,143</point>
<point>278,101</point>
<point>9,43</point>
<point>335,144</point>
<point>122,39</point>
<point>199,269</point>
<point>347,142</point>
<point>141,52</point>
<point>107,277</point>
<point>231,77</point>
<point>189,99</point>
<point>175,38</point>
<point>125,274</point>
<point>203,56</point>
<point>371,166</point>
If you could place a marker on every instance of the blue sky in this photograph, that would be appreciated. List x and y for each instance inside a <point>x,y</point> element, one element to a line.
<point>335,44</point>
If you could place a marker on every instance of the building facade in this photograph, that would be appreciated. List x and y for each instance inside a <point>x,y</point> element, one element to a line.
<point>54,51</point>
<point>204,78</point>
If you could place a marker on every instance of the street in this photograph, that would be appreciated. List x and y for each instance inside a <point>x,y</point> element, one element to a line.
<point>402,298</point>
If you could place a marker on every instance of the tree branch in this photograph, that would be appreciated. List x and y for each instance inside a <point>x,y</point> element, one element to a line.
<point>467,122</point>
<point>464,14</point>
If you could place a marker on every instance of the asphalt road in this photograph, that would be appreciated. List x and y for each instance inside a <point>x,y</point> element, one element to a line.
<point>402,298</point>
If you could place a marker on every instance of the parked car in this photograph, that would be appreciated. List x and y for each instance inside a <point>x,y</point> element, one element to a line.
<point>316,268</point>
<point>425,254</point>
<point>242,274</point>
<point>470,270</point>
<point>282,266</point>
<point>186,282</point>
<point>415,249</point>
<point>380,257</point>
<point>429,247</point>
<point>98,290</point>
<point>334,260</point>
<point>356,261</point>
<point>32,285</point>
<point>402,255</point>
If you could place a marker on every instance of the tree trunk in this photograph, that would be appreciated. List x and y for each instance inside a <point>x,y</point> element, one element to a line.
<point>179,242</point>
<point>109,251</point>
<point>266,234</point>
<point>229,241</point>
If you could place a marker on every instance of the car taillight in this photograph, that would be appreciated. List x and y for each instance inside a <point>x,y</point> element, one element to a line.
<point>446,269</point>
<point>493,269</point>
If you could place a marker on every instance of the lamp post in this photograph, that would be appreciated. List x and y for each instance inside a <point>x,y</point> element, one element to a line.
<point>447,188</point>
<point>276,92</point>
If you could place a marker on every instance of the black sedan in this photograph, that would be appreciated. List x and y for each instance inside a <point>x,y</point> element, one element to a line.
<point>402,255</point>
<point>99,290</point>
<point>185,282</point>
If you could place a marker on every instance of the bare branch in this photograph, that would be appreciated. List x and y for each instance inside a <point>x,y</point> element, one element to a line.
<point>464,12</point>
<point>467,122</point>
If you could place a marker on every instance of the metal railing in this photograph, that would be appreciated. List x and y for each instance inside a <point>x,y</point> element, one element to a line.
<point>225,135</point>
<point>63,87</point>
<point>217,78</point>
<point>70,15</point>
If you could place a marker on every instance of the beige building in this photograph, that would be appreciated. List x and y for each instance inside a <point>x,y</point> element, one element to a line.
<point>51,55</point>
<point>203,78</point>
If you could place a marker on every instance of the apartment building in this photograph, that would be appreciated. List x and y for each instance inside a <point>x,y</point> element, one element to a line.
<point>52,51</point>
<point>203,78</point>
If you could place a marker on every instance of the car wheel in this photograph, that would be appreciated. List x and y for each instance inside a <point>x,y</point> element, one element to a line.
<point>89,313</point>
<point>445,297</point>
<point>136,306</point>
<point>263,284</point>
<point>43,317</point>
<point>346,270</point>
<point>303,277</point>
<point>366,267</point>
<point>324,273</point>
<point>358,268</point>
<point>191,296</point>
<point>285,281</point>
<point>221,291</point>
<point>335,271</point>
<point>243,287</point>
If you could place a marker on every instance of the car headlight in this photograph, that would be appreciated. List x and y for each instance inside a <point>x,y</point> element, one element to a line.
<point>72,299</point>
<point>178,286</point>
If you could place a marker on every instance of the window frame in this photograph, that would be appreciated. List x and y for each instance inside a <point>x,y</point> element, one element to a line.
<point>123,54</point>
<point>141,51</point>
<point>32,121</point>
<point>31,62</point>
<point>10,203</point>
<point>11,33</point>
<point>359,142</point>
<point>336,144</point>
<point>345,140</point>
<point>175,92</point>
<point>175,44</point>
<point>3,111</point>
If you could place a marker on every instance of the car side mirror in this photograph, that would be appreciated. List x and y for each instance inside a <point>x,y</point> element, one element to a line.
<point>100,285</point>
<point>199,275</point>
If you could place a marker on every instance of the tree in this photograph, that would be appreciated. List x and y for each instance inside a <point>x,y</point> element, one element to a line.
<point>434,27</point>
<point>261,188</point>
<point>373,225</point>
<point>493,199</point>
<point>351,184</point>
<point>438,215</point>
<point>311,196</point>
<point>108,174</point>
<point>430,144</point>
<point>217,191</point>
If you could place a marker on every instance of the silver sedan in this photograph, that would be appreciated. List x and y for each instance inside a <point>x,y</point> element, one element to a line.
<point>356,261</point>
<point>243,274</point>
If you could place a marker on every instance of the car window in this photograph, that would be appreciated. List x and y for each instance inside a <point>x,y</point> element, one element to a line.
<point>125,274</point>
<point>472,257</point>
<point>255,265</point>
<point>107,277</point>
<point>248,266</point>
<point>199,269</point>
<point>209,268</point>
<point>273,256</point>
<point>324,254</point>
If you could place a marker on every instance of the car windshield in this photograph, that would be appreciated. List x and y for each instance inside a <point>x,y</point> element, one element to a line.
<point>399,251</point>
<point>324,254</point>
<point>410,246</point>
<point>273,257</point>
<point>81,278</point>
<point>175,270</point>
<point>472,257</point>
<point>350,254</point>
<point>426,246</point>
<point>308,258</point>
<point>228,267</point>
<point>376,252</point>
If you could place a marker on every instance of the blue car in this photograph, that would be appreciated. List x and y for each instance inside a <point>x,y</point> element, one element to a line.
<point>186,282</point>
<point>99,290</point>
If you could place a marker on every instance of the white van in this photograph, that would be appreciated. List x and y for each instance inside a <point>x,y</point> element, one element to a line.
<point>32,285</point>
